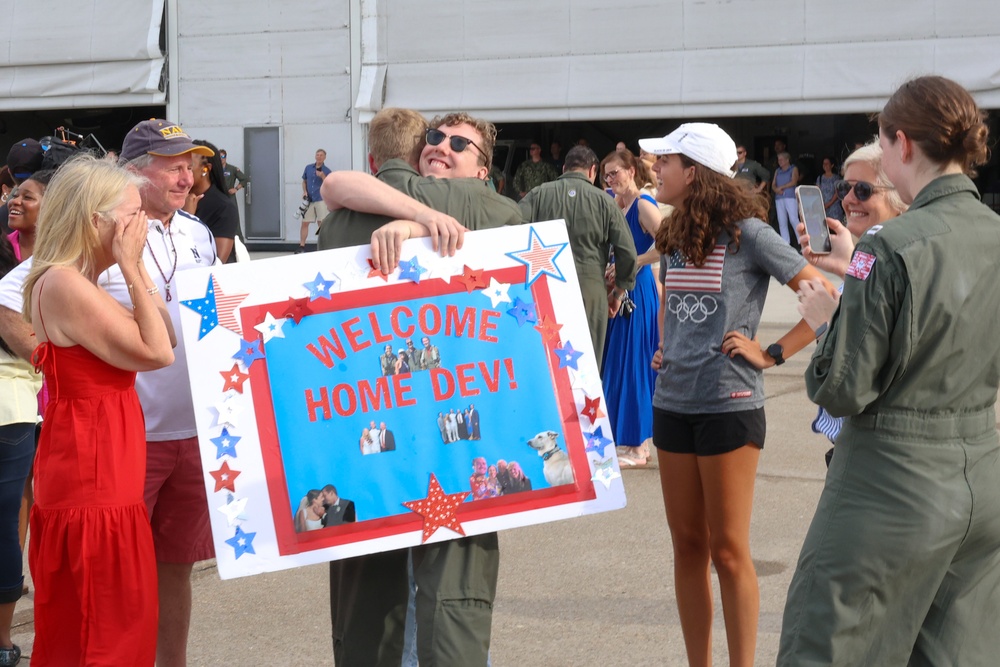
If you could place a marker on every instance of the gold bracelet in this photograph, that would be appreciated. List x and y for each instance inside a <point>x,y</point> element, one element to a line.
<point>153,290</point>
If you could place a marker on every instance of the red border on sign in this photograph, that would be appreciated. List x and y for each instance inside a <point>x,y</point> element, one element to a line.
<point>290,542</point>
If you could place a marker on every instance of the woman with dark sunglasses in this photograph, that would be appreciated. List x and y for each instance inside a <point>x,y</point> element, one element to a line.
<point>869,200</point>
<point>901,564</point>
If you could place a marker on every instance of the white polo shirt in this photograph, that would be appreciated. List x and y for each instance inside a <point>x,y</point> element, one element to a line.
<point>165,394</point>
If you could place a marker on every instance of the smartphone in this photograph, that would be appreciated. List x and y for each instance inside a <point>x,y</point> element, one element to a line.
<point>813,212</point>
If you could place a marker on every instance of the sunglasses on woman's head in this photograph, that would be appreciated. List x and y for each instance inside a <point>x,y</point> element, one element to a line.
<point>863,190</point>
<point>458,143</point>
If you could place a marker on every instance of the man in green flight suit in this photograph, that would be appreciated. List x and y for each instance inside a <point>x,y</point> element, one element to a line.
<point>456,580</point>
<point>533,172</point>
<point>595,224</point>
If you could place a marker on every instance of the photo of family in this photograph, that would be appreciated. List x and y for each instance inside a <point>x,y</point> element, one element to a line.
<point>459,424</point>
<point>377,439</point>
<point>322,508</point>
<point>497,480</point>
<point>409,359</point>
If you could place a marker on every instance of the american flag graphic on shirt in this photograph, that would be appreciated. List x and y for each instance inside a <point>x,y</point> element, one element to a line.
<point>684,276</point>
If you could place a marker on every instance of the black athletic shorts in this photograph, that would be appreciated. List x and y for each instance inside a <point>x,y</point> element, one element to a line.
<point>708,434</point>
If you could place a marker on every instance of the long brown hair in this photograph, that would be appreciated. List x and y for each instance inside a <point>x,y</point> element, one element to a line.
<point>714,204</point>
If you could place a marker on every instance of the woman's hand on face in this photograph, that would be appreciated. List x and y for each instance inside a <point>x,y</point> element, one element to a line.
<point>816,304</point>
<point>130,239</point>
<point>734,343</point>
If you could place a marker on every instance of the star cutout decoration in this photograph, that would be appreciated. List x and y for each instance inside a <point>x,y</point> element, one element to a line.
<point>523,311</point>
<point>233,509</point>
<point>443,268</point>
<point>350,274</point>
<point>472,279</point>
<point>225,444</point>
<point>225,307</point>
<point>567,355</point>
<point>497,292</point>
<point>376,273</point>
<point>539,258</point>
<point>584,380</point>
<point>234,378</point>
<point>319,287</point>
<point>549,329</point>
<point>296,309</point>
<point>604,472</point>
<point>592,409</point>
<point>242,542</point>
<point>410,269</point>
<point>225,477</point>
<point>206,308</point>
<point>270,327</point>
<point>249,352</point>
<point>596,442</point>
<point>228,412</point>
<point>438,509</point>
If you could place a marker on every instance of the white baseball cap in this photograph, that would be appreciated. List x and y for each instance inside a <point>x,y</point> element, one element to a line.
<point>705,143</point>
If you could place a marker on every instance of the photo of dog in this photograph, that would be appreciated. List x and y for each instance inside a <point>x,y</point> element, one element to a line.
<point>556,466</point>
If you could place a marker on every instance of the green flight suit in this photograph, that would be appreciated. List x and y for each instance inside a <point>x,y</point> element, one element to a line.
<point>532,174</point>
<point>594,224</point>
<point>456,580</point>
<point>468,200</point>
<point>231,174</point>
<point>901,564</point>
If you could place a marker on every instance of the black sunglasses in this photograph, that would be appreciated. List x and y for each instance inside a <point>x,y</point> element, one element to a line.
<point>863,190</point>
<point>458,143</point>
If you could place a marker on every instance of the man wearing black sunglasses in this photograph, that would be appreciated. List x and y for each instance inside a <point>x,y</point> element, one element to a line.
<point>456,580</point>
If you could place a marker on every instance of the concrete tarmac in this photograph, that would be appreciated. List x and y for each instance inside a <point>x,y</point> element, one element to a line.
<point>596,590</point>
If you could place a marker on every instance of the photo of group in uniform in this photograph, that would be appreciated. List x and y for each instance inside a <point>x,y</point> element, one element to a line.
<point>322,508</point>
<point>459,424</point>
<point>409,359</point>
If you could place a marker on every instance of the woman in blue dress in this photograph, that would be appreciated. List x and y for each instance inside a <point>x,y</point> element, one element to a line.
<point>632,338</point>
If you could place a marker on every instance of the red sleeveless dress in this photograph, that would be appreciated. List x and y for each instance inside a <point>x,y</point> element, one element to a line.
<point>91,552</point>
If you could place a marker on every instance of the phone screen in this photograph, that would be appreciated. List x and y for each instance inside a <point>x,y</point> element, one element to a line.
<point>813,214</point>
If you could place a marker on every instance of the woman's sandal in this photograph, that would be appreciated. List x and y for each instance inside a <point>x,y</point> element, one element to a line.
<point>10,656</point>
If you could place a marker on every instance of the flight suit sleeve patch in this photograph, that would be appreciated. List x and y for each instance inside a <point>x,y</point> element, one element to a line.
<point>861,265</point>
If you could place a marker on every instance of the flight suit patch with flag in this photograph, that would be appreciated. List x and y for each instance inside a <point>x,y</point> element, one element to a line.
<point>861,265</point>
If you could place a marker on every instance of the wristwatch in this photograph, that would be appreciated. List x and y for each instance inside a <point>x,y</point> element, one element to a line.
<point>777,353</point>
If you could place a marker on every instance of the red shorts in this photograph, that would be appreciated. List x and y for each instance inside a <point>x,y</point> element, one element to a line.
<point>175,498</point>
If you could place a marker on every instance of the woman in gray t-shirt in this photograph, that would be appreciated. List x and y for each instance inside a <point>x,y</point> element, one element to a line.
<point>708,418</point>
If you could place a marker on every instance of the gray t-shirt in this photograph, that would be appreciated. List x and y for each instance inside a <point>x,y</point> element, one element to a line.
<point>703,304</point>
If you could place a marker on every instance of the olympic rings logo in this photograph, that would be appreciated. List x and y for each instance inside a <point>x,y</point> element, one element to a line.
<point>691,307</point>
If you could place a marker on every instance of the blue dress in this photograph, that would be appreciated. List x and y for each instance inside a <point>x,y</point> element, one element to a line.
<point>628,350</point>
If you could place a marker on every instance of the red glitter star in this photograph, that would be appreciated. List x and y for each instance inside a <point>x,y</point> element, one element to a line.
<point>225,478</point>
<point>438,509</point>
<point>296,309</point>
<point>376,273</point>
<point>549,329</point>
<point>472,279</point>
<point>234,378</point>
<point>592,409</point>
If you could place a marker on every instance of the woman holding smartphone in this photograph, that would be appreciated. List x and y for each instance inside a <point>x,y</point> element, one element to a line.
<point>870,200</point>
<point>901,564</point>
<point>708,417</point>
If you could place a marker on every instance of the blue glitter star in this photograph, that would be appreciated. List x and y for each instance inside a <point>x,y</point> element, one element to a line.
<point>539,258</point>
<point>410,269</point>
<point>242,542</point>
<point>523,311</point>
<point>206,308</point>
<point>225,444</point>
<point>319,288</point>
<point>249,352</point>
<point>567,356</point>
<point>596,442</point>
